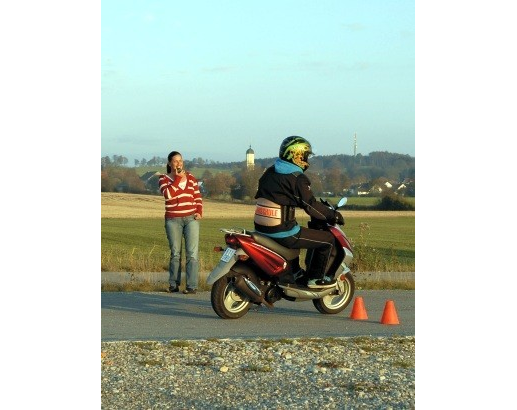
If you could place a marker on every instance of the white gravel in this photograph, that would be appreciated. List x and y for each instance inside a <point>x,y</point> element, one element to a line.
<point>330,373</point>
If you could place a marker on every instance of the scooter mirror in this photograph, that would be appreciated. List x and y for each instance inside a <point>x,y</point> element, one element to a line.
<point>342,202</point>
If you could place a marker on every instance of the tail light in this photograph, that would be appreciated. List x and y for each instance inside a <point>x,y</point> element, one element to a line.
<point>231,239</point>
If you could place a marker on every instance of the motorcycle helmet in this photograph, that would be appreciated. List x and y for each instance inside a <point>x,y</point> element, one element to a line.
<point>296,150</point>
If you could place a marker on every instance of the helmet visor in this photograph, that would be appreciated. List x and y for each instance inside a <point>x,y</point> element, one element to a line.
<point>307,155</point>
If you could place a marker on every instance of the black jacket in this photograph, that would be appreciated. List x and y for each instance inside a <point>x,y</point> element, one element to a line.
<point>293,190</point>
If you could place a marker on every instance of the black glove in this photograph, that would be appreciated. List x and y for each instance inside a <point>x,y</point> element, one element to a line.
<point>339,218</point>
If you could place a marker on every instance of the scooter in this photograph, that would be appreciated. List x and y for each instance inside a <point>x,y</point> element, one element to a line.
<point>249,270</point>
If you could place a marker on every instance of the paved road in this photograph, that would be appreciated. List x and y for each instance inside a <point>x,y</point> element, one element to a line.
<point>164,316</point>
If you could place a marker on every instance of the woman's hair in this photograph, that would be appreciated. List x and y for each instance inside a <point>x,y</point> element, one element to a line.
<point>169,157</point>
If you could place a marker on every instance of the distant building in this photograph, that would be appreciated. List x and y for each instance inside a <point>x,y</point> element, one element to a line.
<point>250,158</point>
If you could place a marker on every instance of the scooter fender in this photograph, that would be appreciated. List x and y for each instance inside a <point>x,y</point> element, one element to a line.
<point>223,267</point>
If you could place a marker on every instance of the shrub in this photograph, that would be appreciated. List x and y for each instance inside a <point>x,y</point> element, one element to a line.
<point>394,203</point>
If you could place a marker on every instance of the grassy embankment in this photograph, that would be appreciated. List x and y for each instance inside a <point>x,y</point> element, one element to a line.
<point>133,237</point>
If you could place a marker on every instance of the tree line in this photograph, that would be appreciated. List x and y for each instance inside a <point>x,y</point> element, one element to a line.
<point>330,174</point>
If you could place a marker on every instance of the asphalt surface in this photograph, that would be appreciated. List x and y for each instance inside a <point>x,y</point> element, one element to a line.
<point>161,316</point>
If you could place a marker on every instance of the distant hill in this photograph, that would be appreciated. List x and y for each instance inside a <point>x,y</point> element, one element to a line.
<point>380,164</point>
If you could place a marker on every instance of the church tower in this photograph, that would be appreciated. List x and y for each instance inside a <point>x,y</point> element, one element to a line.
<point>250,158</point>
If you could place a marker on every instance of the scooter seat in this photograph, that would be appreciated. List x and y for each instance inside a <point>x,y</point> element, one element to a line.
<point>287,253</point>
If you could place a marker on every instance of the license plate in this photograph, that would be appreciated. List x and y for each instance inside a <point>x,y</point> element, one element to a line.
<point>227,255</point>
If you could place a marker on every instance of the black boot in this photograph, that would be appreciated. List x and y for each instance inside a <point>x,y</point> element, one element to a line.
<point>300,278</point>
<point>287,279</point>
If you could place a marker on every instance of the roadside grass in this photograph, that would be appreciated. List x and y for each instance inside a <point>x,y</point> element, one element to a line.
<point>146,286</point>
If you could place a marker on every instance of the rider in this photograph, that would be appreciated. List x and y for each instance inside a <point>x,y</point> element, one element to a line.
<point>284,187</point>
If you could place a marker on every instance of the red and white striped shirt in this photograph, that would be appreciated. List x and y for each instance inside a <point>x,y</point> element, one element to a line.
<point>180,201</point>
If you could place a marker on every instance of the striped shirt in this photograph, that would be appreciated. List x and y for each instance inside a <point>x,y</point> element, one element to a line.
<point>180,201</point>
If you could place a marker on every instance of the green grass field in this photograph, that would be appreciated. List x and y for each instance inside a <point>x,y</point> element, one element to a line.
<point>366,200</point>
<point>140,245</point>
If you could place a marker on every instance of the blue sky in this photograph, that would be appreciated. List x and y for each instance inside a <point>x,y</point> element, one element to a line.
<point>211,78</point>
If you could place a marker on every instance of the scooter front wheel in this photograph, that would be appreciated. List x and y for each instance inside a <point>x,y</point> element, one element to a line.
<point>339,300</point>
<point>226,302</point>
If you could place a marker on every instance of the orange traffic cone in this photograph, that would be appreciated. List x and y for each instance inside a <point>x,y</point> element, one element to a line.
<point>358,310</point>
<point>389,316</point>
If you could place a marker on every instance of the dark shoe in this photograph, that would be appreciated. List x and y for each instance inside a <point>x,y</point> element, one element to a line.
<point>326,282</point>
<point>173,290</point>
<point>189,291</point>
<point>300,278</point>
<point>287,279</point>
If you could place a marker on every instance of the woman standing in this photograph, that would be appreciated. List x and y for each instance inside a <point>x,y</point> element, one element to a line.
<point>183,210</point>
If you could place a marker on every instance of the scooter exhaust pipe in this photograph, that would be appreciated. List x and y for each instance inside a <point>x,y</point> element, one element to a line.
<point>250,290</point>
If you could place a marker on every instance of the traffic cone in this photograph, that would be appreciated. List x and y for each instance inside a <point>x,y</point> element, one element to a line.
<point>389,316</point>
<point>358,310</point>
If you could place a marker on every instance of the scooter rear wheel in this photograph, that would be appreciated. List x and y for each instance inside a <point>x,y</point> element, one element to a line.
<point>338,301</point>
<point>226,302</point>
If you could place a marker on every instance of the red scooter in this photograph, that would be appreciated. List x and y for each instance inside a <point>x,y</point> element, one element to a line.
<point>249,270</point>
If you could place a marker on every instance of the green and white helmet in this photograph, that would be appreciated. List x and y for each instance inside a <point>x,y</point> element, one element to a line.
<point>296,150</point>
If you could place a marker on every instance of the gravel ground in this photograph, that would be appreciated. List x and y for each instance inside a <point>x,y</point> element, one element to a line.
<point>330,373</point>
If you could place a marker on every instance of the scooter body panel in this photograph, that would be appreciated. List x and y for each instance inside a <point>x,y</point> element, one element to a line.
<point>302,294</point>
<point>271,262</point>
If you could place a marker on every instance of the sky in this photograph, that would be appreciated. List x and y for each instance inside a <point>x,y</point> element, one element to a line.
<point>212,78</point>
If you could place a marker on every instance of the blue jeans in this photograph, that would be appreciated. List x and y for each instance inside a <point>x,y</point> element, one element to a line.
<point>176,229</point>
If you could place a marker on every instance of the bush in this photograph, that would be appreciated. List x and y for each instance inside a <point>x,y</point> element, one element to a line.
<point>393,203</point>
